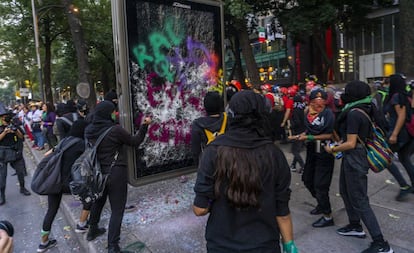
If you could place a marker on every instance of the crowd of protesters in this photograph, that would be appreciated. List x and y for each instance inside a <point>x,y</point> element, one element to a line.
<point>327,122</point>
<point>317,117</point>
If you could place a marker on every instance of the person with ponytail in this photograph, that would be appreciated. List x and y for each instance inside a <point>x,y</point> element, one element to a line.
<point>351,124</point>
<point>243,182</point>
<point>395,108</point>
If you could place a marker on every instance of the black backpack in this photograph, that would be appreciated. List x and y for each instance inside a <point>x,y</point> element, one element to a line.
<point>88,181</point>
<point>47,178</point>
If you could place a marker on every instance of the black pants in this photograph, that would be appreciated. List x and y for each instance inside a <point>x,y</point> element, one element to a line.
<point>117,191</point>
<point>353,186</point>
<point>53,203</point>
<point>20,168</point>
<point>317,175</point>
<point>295,149</point>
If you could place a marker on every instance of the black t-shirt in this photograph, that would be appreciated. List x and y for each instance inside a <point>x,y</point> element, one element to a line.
<point>358,123</point>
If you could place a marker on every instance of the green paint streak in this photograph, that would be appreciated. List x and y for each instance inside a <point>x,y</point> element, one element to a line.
<point>175,38</point>
<point>140,53</point>
<point>162,68</point>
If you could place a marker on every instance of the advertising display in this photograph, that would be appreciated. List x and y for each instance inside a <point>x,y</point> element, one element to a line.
<point>168,55</point>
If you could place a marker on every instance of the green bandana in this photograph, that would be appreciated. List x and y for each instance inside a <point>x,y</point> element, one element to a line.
<point>366,100</point>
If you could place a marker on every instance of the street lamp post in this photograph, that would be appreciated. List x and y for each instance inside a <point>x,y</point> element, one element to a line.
<point>39,63</point>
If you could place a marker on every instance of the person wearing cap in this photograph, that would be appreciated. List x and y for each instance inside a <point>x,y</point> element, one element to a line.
<point>243,183</point>
<point>10,136</point>
<point>319,165</point>
<point>214,107</point>
<point>350,125</point>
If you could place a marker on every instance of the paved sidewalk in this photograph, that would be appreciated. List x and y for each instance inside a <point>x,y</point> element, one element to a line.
<point>164,222</point>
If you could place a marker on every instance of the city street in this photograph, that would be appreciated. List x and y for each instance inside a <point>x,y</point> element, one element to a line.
<point>26,214</point>
<point>164,222</point>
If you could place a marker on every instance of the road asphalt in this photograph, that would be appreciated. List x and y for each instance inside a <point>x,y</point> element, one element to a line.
<point>163,220</point>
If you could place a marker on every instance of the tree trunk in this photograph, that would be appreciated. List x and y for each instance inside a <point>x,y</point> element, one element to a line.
<point>81,50</point>
<point>404,52</point>
<point>237,71</point>
<point>248,56</point>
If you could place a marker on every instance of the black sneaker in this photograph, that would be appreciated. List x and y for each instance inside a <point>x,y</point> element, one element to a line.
<point>293,168</point>
<point>350,230</point>
<point>379,247</point>
<point>404,191</point>
<point>81,229</point>
<point>50,244</point>
<point>95,232</point>
<point>24,191</point>
<point>323,222</point>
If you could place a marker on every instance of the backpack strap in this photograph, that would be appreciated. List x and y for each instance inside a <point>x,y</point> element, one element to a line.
<point>66,144</point>
<point>68,121</point>
<point>100,138</point>
<point>223,124</point>
<point>367,116</point>
<point>210,136</point>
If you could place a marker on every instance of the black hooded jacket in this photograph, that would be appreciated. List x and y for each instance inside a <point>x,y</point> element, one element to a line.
<point>230,229</point>
<point>115,139</point>
<point>198,136</point>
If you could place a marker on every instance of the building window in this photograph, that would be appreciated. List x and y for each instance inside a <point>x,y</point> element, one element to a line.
<point>388,33</point>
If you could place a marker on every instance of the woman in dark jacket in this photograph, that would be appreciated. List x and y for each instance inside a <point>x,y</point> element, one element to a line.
<point>351,124</point>
<point>396,107</point>
<point>243,181</point>
<point>48,120</point>
<point>114,162</point>
<point>53,200</point>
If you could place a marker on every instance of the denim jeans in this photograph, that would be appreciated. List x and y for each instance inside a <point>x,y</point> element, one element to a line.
<point>39,139</point>
<point>353,186</point>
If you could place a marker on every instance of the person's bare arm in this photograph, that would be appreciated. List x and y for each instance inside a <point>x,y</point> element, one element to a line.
<point>401,113</point>
<point>351,141</point>
<point>199,211</point>
<point>6,242</point>
<point>285,227</point>
<point>285,118</point>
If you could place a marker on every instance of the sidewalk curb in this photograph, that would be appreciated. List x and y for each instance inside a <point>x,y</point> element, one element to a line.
<point>89,247</point>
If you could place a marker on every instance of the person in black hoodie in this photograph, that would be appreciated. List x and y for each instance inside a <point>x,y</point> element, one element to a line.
<point>397,108</point>
<point>214,106</point>
<point>53,200</point>
<point>351,124</point>
<point>243,181</point>
<point>114,162</point>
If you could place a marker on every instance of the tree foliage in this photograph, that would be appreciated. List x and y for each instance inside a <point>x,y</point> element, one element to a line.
<point>58,54</point>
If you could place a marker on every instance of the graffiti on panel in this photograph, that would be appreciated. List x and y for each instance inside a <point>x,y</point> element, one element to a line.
<point>172,65</point>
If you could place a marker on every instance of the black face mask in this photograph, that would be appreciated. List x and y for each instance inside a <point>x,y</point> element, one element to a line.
<point>7,118</point>
<point>347,98</point>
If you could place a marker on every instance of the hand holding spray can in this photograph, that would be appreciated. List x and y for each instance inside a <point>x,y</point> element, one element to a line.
<point>338,155</point>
